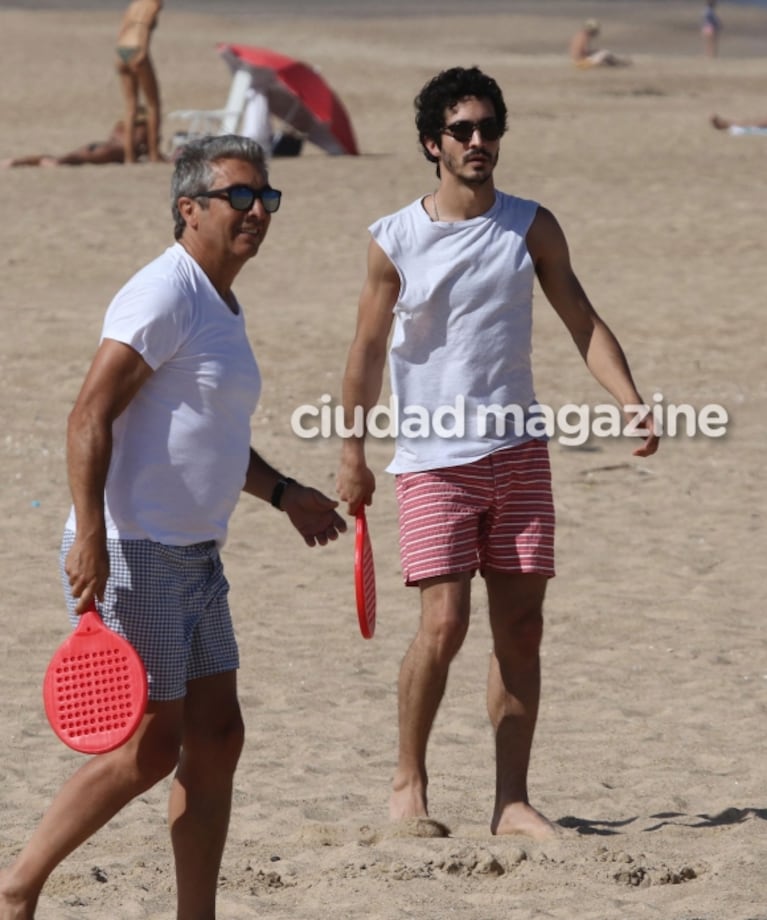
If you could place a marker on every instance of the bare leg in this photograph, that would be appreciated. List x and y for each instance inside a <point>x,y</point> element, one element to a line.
<point>90,798</point>
<point>33,160</point>
<point>513,694</point>
<point>148,82</point>
<point>201,793</point>
<point>422,681</point>
<point>129,85</point>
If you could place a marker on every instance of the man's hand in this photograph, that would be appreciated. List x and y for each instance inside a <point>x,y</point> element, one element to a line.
<point>87,568</point>
<point>355,482</point>
<point>645,426</point>
<point>312,514</point>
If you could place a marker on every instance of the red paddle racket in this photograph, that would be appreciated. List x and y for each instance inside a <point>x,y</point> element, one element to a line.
<point>364,577</point>
<point>95,688</point>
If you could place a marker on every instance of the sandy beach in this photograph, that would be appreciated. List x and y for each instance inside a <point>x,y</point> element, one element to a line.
<point>650,743</point>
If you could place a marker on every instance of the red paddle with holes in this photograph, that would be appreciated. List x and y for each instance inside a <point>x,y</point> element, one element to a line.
<point>95,688</point>
<point>364,577</point>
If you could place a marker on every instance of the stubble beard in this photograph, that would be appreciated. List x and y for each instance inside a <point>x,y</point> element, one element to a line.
<point>471,179</point>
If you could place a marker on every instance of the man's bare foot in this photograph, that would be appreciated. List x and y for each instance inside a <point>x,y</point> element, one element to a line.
<point>521,818</point>
<point>407,802</point>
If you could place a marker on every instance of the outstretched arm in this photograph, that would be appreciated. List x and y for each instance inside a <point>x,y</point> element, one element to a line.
<point>598,346</point>
<point>363,376</point>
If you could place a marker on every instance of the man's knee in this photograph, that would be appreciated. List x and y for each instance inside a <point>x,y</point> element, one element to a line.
<point>156,756</point>
<point>529,631</point>
<point>445,611</point>
<point>219,744</point>
<point>444,631</point>
<point>521,634</point>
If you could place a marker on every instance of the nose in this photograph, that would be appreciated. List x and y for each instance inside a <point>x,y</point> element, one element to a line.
<point>476,133</point>
<point>258,208</point>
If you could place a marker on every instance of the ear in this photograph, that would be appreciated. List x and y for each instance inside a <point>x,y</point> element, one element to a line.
<point>189,209</point>
<point>430,145</point>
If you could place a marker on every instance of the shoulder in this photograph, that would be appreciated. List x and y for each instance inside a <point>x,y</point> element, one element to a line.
<point>514,202</point>
<point>515,213</point>
<point>161,286</point>
<point>173,267</point>
<point>397,232</point>
<point>545,237</point>
<point>406,214</point>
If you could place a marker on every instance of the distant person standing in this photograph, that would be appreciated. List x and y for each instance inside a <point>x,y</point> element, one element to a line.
<point>710,29</point>
<point>137,75</point>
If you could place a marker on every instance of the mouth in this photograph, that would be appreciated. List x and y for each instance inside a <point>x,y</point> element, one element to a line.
<point>254,232</point>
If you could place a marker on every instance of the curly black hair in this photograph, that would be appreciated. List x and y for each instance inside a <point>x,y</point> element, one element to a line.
<point>446,90</point>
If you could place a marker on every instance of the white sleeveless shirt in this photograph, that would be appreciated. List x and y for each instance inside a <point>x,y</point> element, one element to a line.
<point>460,354</point>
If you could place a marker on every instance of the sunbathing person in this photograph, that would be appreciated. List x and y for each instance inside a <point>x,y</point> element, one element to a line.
<point>112,150</point>
<point>740,126</point>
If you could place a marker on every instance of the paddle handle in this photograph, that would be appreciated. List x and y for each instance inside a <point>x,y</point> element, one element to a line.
<point>89,622</point>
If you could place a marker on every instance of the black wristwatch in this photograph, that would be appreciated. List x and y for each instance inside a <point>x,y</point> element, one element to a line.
<point>282,483</point>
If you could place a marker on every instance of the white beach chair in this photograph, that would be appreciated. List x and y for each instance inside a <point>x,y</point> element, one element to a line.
<point>214,121</point>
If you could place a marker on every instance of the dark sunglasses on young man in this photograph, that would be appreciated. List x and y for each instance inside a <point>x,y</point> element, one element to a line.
<point>242,197</point>
<point>463,131</point>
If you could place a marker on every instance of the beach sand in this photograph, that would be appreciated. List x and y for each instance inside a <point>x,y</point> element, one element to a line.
<point>650,742</point>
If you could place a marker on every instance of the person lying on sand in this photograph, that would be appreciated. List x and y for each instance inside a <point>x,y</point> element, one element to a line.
<point>112,150</point>
<point>740,126</point>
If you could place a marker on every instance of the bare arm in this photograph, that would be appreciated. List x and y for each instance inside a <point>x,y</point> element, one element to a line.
<point>597,345</point>
<point>115,376</point>
<point>363,377</point>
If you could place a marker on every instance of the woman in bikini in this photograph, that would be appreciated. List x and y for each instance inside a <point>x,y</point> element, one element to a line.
<point>137,75</point>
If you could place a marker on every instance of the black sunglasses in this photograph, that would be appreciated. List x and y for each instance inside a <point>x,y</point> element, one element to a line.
<point>463,131</point>
<point>242,197</point>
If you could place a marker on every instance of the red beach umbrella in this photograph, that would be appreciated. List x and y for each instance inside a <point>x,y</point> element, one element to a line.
<point>298,94</point>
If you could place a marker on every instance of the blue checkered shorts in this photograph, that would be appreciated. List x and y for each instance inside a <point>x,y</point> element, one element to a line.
<point>170,603</point>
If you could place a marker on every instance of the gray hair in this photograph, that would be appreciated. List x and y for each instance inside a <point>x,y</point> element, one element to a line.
<point>194,172</point>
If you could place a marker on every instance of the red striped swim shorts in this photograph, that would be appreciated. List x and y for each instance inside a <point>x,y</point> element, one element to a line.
<point>496,513</point>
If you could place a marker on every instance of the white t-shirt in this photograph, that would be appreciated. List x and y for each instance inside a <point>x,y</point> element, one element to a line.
<point>182,446</point>
<point>460,354</point>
